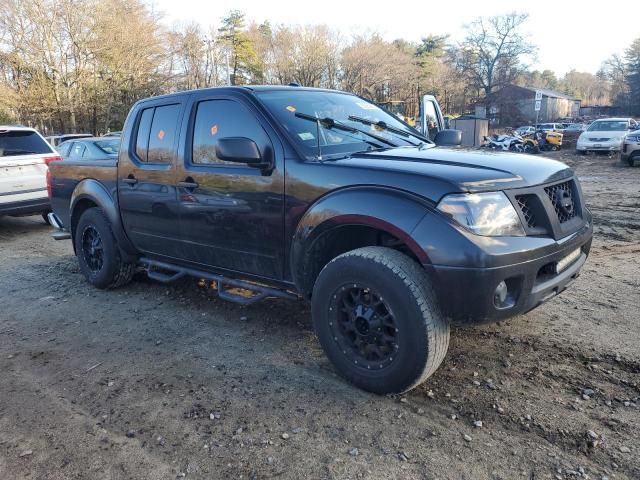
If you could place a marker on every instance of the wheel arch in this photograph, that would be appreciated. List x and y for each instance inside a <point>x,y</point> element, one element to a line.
<point>90,193</point>
<point>353,218</point>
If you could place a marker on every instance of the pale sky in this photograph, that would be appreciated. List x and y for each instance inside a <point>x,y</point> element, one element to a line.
<point>569,33</point>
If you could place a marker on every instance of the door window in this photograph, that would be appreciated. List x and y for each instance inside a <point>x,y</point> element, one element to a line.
<point>164,129</point>
<point>142,138</point>
<point>64,149</point>
<point>76,152</point>
<point>157,131</point>
<point>217,119</point>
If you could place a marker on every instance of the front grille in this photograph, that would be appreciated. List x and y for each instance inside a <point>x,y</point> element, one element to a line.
<point>598,139</point>
<point>563,200</point>
<point>527,210</point>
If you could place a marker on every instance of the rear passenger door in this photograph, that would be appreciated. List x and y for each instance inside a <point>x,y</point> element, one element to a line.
<point>231,214</point>
<point>146,177</point>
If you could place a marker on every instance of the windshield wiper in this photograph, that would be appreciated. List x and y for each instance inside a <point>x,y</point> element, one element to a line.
<point>330,123</point>
<point>389,128</point>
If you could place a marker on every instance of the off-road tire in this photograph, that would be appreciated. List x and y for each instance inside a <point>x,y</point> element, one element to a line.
<point>423,332</point>
<point>114,272</point>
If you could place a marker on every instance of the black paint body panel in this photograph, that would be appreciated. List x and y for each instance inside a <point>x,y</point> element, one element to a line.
<point>259,223</point>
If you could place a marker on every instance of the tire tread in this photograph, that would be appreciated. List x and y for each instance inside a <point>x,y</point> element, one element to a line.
<point>417,282</point>
<point>125,270</point>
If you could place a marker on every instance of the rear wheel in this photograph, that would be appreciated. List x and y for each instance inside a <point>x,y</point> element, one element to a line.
<point>46,218</point>
<point>97,251</point>
<point>378,321</point>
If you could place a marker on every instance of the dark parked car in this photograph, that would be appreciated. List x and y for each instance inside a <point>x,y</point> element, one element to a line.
<point>319,194</point>
<point>92,148</point>
<point>573,131</point>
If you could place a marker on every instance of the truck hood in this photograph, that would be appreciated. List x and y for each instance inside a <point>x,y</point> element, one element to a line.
<point>469,170</point>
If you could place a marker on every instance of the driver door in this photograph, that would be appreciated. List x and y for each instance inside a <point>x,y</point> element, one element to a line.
<point>231,214</point>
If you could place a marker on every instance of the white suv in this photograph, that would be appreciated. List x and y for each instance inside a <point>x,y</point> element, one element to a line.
<point>24,157</point>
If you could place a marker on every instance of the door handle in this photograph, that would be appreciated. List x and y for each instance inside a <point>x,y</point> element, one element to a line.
<point>188,183</point>
<point>131,180</point>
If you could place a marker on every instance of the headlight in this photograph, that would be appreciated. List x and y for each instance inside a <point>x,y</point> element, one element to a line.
<point>615,139</point>
<point>633,138</point>
<point>489,214</point>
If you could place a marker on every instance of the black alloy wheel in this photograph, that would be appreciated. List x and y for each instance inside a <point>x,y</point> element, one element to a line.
<point>99,256</point>
<point>92,249</point>
<point>364,326</point>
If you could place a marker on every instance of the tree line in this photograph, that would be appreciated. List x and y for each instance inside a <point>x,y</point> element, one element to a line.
<point>69,65</point>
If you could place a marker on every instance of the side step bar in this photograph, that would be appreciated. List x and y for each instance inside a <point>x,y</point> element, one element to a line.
<point>58,233</point>
<point>223,283</point>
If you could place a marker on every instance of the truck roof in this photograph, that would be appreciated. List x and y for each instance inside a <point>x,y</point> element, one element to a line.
<point>247,88</point>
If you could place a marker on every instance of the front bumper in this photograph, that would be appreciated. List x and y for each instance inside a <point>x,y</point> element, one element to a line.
<point>583,146</point>
<point>466,294</point>
<point>630,150</point>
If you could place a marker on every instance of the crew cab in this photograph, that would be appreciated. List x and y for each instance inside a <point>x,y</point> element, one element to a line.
<point>24,156</point>
<point>320,194</point>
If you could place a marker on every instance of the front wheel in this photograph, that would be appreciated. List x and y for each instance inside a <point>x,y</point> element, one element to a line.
<point>378,320</point>
<point>97,251</point>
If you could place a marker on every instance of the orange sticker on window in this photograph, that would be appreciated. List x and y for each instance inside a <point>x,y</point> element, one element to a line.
<point>291,108</point>
<point>161,134</point>
<point>214,130</point>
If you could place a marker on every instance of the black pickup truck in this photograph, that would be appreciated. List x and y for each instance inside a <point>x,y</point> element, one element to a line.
<point>319,194</point>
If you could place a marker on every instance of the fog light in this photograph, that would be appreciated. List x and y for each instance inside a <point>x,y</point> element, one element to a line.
<point>500,295</point>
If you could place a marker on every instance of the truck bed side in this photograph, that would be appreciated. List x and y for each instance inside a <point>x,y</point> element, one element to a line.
<point>67,174</point>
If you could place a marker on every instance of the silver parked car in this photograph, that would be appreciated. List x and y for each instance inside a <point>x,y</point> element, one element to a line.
<point>605,135</point>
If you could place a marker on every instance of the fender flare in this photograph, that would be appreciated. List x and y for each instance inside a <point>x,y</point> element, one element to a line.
<point>95,192</point>
<point>393,211</point>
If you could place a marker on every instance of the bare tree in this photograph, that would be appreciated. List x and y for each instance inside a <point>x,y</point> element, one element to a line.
<point>378,69</point>
<point>493,51</point>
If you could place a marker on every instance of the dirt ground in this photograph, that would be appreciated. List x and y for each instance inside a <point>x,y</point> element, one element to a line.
<point>161,382</point>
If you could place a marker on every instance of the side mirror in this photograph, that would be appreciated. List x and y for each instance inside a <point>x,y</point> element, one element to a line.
<point>448,137</point>
<point>239,150</point>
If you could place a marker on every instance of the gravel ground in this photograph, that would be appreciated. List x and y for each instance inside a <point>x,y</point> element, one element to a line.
<point>154,382</point>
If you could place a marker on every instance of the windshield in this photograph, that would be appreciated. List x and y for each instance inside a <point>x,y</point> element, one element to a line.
<point>340,107</point>
<point>109,146</point>
<point>22,142</point>
<point>608,126</point>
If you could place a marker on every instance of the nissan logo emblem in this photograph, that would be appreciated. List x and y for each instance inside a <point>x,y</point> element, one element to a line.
<point>564,202</point>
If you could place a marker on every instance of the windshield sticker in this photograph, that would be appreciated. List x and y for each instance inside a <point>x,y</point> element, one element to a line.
<point>306,136</point>
<point>161,135</point>
<point>291,108</point>
<point>214,130</point>
<point>366,106</point>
